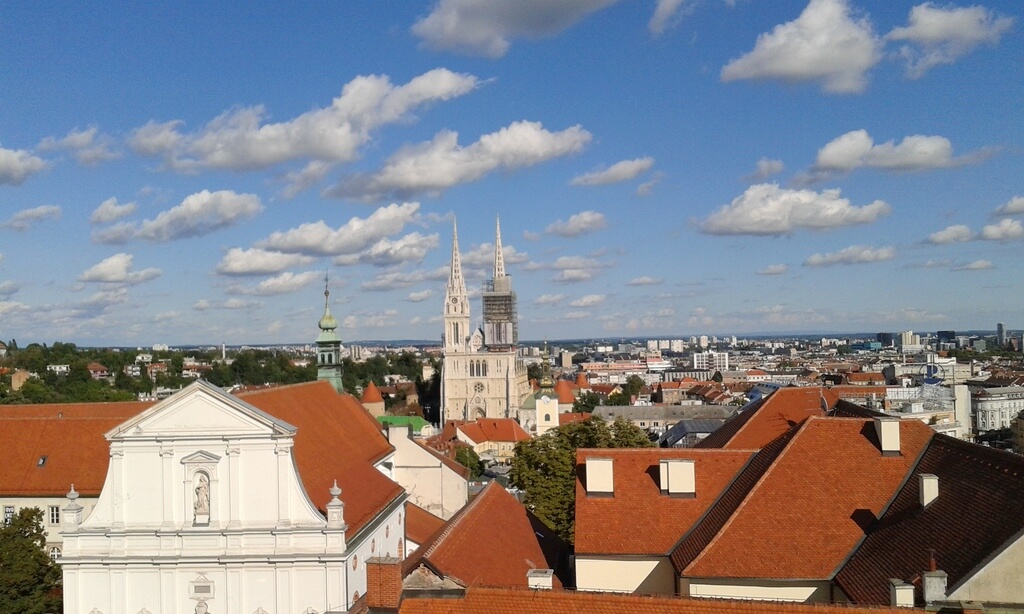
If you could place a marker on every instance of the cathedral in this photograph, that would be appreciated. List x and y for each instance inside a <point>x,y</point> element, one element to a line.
<point>482,376</point>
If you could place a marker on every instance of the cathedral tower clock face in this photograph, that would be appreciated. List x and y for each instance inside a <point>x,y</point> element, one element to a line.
<point>455,300</point>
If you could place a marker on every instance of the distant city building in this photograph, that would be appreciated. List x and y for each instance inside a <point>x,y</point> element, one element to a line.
<point>1001,334</point>
<point>714,361</point>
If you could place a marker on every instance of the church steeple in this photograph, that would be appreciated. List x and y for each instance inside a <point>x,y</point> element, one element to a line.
<point>456,301</point>
<point>499,257</point>
<point>328,345</point>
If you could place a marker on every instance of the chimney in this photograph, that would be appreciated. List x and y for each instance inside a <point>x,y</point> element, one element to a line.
<point>383,583</point>
<point>678,478</point>
<point>933,586</point>
<point>888,431</point>
<point>928,487</point>
<point>901,594</point>
<point>539,579</point>
<point>600,481</point>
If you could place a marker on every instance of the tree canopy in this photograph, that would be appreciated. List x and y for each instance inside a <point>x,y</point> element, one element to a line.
<point>29,579</point>
<point>545,467</point>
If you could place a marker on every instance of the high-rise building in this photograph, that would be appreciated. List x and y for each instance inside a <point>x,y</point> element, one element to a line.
<point>717,361</point>
<point>481,375</point>
<point>1000,334</point>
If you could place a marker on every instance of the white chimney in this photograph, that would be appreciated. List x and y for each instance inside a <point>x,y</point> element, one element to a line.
<point>933,586</point>
<point>678,478</point>
<point>901,594</point>
<point>888,431</point>
<point>929,488</point>
<point>539,579</point>
<point>600,478</point>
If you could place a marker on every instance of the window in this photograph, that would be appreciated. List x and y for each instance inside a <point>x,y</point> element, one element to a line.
<point>54,553</point>
<point>8,514</point>
<point>54,514</point>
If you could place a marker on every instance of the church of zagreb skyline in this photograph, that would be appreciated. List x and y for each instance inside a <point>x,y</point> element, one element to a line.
<point>481,377</point>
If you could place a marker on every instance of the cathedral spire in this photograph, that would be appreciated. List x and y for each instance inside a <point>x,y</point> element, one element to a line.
<point>499,257</point>
<point>328,344</point>
<point>456,283</point>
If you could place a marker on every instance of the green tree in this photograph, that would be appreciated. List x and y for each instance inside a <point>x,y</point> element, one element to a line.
<point>586,402</point>
<point>467,457</point>
<point>545,467</point>
<point>634,384</point>
<point>29,580</point>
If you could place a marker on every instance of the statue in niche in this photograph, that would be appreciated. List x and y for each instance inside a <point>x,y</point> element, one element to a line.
<point>202,500</point>
<point>201,608</point>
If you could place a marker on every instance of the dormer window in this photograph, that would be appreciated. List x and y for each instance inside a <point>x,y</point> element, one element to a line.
<point>41,461</point>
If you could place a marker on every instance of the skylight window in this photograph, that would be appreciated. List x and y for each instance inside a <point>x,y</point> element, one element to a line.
<point>42,461</point>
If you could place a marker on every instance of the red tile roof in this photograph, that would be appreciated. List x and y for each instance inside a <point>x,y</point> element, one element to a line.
<point>519,601</point>
<point>73,444</point>
<point>494,429</point>
<point>976,514</point>
<point>812,506</point>
<point>772,416</point>
<point>608,525</point>
<point>493,541</point>
<point>420,524</point>
<point>371,394</point>
<point>570,417</point>
<point>582,381</point>
<point>337,439</point>
<point>564,392</point>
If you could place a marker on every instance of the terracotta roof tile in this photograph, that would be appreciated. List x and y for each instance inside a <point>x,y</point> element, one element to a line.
<point>570,417</point>
<point>73,444</point>
<point>371,394</point>
<point>420,524</point>
<point>976,513</point>
<point>813,505</point>
<point>336,439</point>
<point>517,601</point>
<point>582,381</point>
<point>770,417</point>
<point>564,392</point>
<point>494,429</point>
<point>493,541</point>
<point>608,525</point>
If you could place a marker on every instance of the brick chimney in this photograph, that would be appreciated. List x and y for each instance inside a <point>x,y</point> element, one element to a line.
<point>933,583</point>
<point>383,582</point>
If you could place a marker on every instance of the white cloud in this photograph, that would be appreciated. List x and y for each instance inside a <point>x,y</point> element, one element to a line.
<point>571,276</point>
<point>319,239</point>
<point>645,188</point>
<point>767,209</point>
<point>237,303</point>
<point>548,299</point>
<point>17,165</point>
<point>202,305</point>
<point>89,147</point>
<point>394,280</point>
<point>620,171</point>
<point>24,219</point>
<point>1013,206</point>
<point>412,247</point>
<point>484,27</point>
<point>856,149</point>
<point>855,254</point>
<point>117,269</point>
<point>483,255</point>
<point>666,15</point>
<point>255,261</point>
<point>9,288</point>
<point>118,234</point>
<point>578,224</point>
<point>530,236</point>
<point>200,214</point>
<point>240,140</point>
<point>434,166</point>
<point>766,167</point>
<point>825,42</point>
<point>957,233</point>
<point>419,297</point>
<point>645,281</point>
<point>577,315</point>
<point>1004,230</point>
<point>382,319</point>
<point>110,211</point>
<point>285,283</point>
<point>977,265</point>
<point>773,269</point>
<point>944,34</point>
<point>589,300</point>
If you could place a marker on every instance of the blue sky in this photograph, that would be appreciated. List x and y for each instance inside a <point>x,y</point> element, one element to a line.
<point>179,173</point>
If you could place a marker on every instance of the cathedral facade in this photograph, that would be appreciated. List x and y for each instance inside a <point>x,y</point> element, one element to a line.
<point>482,376</point>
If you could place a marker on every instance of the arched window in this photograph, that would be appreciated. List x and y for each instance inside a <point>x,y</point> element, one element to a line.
<point>54,553</point>
<point>547,417</point>
<point>401,548</point>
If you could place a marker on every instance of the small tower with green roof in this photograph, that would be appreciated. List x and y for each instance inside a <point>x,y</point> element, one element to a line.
<point>328,346</point>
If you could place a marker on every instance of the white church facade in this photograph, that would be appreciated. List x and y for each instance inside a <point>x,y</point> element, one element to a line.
<point>482,375</point>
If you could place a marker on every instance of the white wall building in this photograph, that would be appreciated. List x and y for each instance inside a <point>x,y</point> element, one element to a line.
<point>995,408</point>
<point>714,361</point>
